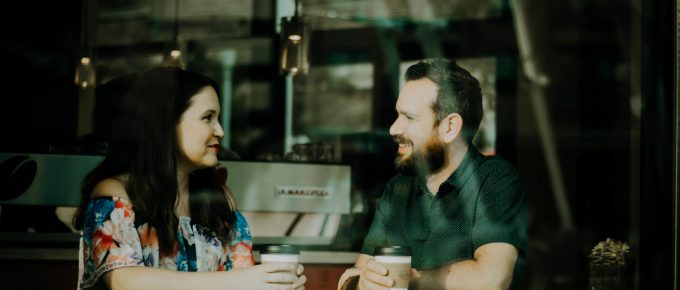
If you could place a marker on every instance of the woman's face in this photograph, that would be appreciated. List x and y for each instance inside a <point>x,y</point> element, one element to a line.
<point>199,131</point>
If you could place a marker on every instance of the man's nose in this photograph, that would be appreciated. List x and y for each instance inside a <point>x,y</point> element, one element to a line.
<point>396,129</point>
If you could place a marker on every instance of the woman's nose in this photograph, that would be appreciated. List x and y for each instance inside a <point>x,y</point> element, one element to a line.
<point>218,131</point>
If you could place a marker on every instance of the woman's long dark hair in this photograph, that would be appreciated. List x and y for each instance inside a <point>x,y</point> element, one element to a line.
<point>145,147</point>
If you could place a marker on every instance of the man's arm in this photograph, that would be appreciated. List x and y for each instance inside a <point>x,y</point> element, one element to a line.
<point>491,268</point>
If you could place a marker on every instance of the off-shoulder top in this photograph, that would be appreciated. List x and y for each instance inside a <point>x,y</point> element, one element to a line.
<point>112,238</point>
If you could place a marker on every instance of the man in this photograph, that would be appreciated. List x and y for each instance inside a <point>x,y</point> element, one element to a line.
<point>462,214</point>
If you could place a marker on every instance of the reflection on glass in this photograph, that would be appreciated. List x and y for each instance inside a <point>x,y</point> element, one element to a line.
<point>85,73</point>
<point>334,99</point>
<point>174,58</point>
<point>294,45</point>
<point>378,11</point>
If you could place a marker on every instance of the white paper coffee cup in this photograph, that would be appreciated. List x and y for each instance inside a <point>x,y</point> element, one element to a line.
<point>280,254</point>
<point>397,260</point>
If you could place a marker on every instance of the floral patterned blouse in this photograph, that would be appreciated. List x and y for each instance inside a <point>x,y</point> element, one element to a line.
<point>111,238</point>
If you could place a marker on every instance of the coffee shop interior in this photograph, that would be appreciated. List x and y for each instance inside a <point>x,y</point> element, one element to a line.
<point>580,96</point>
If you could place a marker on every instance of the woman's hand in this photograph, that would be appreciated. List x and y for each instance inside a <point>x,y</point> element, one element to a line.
<point>272,276</point>
<point>302,279</point>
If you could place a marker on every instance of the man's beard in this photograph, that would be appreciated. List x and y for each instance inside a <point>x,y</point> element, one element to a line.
<point>423,162</point>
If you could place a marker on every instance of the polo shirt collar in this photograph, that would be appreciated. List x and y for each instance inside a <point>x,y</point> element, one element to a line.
<point>457,179</point>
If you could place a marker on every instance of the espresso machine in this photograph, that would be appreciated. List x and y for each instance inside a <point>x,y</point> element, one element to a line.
<point>284,202</point>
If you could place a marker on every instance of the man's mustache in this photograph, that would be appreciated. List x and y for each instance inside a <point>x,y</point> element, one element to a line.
<point>401,140</point>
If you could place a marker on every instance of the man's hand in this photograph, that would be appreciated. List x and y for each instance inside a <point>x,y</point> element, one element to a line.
<point>374,277</point>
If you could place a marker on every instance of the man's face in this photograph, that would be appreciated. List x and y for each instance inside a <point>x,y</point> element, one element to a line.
<point>421,151</point>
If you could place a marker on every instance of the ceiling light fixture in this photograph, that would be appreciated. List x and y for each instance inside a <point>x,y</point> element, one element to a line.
<point>173,56</point>
<point>85,69</point>
<point>294,43</point>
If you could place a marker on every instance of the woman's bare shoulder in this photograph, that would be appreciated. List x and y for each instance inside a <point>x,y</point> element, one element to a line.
<point>112,186</point>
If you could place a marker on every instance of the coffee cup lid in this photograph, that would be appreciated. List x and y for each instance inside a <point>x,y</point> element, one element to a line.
<point>280,249</point>
<point>392,251</point>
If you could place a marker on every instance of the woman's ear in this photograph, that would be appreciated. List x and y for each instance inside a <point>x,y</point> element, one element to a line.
<point>452,125</point>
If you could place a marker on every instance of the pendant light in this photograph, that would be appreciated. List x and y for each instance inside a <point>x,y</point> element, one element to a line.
<point>294,43</point>
<point>173,55</point>
<point>85,68</point>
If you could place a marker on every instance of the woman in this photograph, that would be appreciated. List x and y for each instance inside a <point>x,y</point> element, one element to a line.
<point>153,211</point>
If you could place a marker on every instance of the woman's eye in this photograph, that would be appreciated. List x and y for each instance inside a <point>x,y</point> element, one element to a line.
<point>207,118</point>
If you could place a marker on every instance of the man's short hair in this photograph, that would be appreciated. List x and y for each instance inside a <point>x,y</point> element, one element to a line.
<point>458,92</point>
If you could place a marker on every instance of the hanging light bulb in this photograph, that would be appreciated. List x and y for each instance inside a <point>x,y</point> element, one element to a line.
<point>85,67</point>
<point>174,55</point>
<point>85,72</point>
<point>294,44</point>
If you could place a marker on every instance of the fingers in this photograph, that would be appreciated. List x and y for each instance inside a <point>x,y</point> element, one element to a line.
<point>286,281</point>
<point>414,273</point>
<point>376,267</point>
<point>281,277</point>
<point>365,284</point>
<point>373,277</point>
<point>300,269</point>
<point>279,287</point>
<point>300,283</point>
<point>278,267</point>
<point>378,279</point>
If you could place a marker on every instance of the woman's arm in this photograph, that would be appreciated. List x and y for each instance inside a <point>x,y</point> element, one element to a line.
<point>267,276</point>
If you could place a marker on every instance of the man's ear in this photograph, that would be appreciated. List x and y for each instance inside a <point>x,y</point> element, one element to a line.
<point>453,126</point>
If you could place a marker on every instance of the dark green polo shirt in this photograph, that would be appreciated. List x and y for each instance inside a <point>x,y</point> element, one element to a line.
<point>481,202</point>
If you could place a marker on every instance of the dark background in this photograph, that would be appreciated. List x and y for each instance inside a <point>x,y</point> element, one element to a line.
<point>613,193</point>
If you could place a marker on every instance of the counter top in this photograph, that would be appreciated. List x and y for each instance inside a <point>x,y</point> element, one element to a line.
<point>306,257</point>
